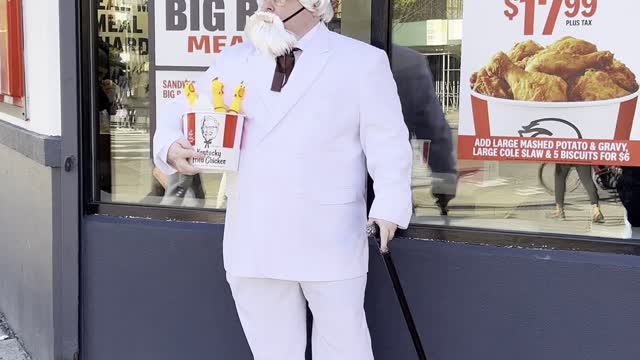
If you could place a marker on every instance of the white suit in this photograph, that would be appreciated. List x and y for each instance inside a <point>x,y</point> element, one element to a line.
<point>296,208</point>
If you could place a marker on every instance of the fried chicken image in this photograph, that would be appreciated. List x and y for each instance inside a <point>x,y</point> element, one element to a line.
<point>569,69</point>
<point>595,85</point>
<point>567,65</point>
<point>524,62</point>
<point>483,83</point>
<point>524,50</point>
<point>571,45</point>
<point>622,76</point>
<point>527,85</point>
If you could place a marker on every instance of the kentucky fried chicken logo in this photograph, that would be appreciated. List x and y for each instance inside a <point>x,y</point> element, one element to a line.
<point>210,128</point>
<point>551,127</point>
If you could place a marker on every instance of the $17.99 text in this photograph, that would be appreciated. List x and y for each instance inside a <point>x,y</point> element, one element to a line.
<point>573,8</point>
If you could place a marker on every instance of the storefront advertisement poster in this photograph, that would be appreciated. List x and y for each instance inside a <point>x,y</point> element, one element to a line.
<point>125,28</point>
<point>169,88</point>
<point>123,32</point>
<point>550,81</point>
<point>191,33</point>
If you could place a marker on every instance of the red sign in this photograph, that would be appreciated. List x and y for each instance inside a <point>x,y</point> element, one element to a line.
<point>583,9</point>
<point>11,63</point>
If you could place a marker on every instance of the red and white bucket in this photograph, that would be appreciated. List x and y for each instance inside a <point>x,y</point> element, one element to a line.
<point>596,120</point>
<point>217,136</point>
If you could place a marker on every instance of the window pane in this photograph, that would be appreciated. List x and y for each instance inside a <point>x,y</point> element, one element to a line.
<point>509,193</point>
<point>123,102</point>
<point>137,83</point>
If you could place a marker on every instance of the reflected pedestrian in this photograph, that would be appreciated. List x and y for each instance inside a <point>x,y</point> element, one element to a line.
<point>584,172</point>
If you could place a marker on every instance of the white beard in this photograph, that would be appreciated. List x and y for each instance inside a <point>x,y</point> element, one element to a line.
<point>267,33</point>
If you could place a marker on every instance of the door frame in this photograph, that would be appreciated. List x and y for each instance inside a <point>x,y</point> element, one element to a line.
<point>66,193</point>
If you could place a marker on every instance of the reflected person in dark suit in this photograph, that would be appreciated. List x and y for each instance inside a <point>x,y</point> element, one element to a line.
<point>106,106</point>
<point>628,187</point>
<point>425,119</point>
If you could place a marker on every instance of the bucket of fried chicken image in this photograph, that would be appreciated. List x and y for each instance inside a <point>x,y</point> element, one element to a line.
<point>570,89</point>
<point>215,134</point>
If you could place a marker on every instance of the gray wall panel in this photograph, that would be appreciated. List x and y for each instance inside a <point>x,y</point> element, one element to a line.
<point>480,302</point>
<point>25,250</point>
<point>40,148</point>
<point>156,290</point>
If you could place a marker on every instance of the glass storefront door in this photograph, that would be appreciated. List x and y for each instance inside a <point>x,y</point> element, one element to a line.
<point>427,54</point>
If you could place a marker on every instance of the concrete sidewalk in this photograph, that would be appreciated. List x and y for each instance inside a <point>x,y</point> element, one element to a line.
<point>10,348</point>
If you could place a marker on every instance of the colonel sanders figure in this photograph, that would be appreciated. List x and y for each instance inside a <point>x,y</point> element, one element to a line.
<point>321,110</point>
<point>210,127</point>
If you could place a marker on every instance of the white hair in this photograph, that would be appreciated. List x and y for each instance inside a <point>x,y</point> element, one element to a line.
<point>324,8</point>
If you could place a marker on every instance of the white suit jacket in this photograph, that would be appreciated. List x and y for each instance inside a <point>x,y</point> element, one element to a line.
<point>296,207</point>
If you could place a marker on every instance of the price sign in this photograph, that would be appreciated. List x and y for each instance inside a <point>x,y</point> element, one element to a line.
<point>553,81</point>
<point>551,8</point>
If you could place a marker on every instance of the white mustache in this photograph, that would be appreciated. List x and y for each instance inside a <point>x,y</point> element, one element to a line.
<point>267,33</point>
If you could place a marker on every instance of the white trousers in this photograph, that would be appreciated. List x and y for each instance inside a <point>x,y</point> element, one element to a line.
<point>274,318</point>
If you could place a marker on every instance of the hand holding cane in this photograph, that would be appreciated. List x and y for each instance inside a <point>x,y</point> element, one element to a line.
<point>373,230</point>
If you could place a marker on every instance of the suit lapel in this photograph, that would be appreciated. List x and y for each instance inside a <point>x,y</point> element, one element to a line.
<point>259,79</point>
<point>306,71</point>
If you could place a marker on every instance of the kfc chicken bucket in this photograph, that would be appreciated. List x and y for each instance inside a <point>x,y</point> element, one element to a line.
<point>603,119</point>
<point>569,89</point>
<point>217,136</point>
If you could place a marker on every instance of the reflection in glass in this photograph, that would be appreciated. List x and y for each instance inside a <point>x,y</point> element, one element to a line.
<point>122,101</point>
<point>426,58</point>
<point>125,117</point>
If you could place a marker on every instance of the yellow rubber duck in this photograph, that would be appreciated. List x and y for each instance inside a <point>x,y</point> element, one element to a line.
<point>217,89</point>
<point>190,93</point>
<point>238,96</point>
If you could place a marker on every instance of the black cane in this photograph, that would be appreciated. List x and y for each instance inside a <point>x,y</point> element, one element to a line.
<point>374,231</point>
